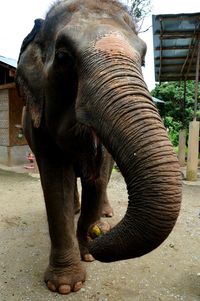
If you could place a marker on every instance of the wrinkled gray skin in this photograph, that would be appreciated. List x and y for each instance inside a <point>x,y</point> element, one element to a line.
<point>80,74</point>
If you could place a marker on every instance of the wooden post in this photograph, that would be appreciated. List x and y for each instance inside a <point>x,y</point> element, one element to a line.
<point>197,80</point>
<point>193,151</point>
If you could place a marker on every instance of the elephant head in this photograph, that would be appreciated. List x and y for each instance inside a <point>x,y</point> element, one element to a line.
<point>83,66</point>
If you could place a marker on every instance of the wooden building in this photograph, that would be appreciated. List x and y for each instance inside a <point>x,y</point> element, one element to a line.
<point>13,146</point>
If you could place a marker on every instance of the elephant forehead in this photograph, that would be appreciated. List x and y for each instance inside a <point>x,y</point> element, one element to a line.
<point>113,43</point>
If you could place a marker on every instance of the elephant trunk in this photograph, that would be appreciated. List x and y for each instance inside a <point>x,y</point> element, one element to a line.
<point>121,112</point>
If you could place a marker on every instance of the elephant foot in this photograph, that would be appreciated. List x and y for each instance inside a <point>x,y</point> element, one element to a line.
<point>85,255</point>
<point>107,210</point>
<point>65,280</point>
<point>95,230</point>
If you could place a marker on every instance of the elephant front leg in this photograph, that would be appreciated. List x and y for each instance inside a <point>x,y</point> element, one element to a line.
<point>107,210</point>
<point>91,206</point>
<point>65,272</point>
<point>91,209</point>
<point>77,205</point>
<point>94,204</point>
<point>106,170</point>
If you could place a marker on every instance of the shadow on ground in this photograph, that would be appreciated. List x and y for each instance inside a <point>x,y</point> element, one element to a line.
<point>171,272</point>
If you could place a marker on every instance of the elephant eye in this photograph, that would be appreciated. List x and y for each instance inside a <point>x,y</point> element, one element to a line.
<point>63,56</point>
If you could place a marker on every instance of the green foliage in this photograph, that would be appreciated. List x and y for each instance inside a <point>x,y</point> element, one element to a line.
<point>178,110</point>
<point>139,9</point>
<point>173,129</point>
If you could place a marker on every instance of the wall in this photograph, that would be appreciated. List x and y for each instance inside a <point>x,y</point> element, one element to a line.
<point>15,116</point>
<point>15,155</point>
<point>4,118</point>
<point>13,146</point>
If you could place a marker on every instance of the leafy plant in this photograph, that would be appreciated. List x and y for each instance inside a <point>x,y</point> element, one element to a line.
<point>139,9</point>
<point>178,109</point>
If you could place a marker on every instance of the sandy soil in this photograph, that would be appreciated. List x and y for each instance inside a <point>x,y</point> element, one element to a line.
<point>172,272</point>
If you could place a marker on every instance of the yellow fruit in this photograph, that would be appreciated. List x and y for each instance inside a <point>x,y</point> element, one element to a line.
<point>95,231</point>
<point>98,229</point>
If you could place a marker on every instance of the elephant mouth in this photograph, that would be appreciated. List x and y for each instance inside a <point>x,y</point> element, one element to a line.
<point>84,146</point>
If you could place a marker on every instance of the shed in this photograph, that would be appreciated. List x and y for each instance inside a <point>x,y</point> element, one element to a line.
<point>177,58</point>
<point>13,146</point>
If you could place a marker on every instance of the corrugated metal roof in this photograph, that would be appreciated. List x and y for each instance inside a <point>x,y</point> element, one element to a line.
<point>8,61</point>
<point>176,39</point>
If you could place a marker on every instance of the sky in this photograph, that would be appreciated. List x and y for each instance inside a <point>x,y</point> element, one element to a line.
<point>17,19</point>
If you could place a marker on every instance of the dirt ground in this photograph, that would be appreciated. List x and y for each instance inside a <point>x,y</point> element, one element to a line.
<point>171,272</point>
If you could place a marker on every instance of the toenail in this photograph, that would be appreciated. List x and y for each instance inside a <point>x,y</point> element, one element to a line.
<point>78,286</point>
<point>89,258</point>
<point>51,286</point>
<point>64,289</point>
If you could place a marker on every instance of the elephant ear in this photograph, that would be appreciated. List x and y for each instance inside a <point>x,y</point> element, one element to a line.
<point>30,74</point>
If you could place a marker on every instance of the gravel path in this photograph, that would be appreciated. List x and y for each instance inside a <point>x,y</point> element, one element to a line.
<point>172,272</point>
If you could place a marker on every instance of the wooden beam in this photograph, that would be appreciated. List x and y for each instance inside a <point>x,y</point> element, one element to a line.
<point>7,86</point>
<point>174,58</point>
<point>170,33</point>
<point>172,48</point>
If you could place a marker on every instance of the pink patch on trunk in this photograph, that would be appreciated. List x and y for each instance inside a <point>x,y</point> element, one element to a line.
<point>115,43</point>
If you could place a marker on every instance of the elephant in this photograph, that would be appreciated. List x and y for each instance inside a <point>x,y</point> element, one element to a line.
<point>106,209</point>
<point>80,75</point>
